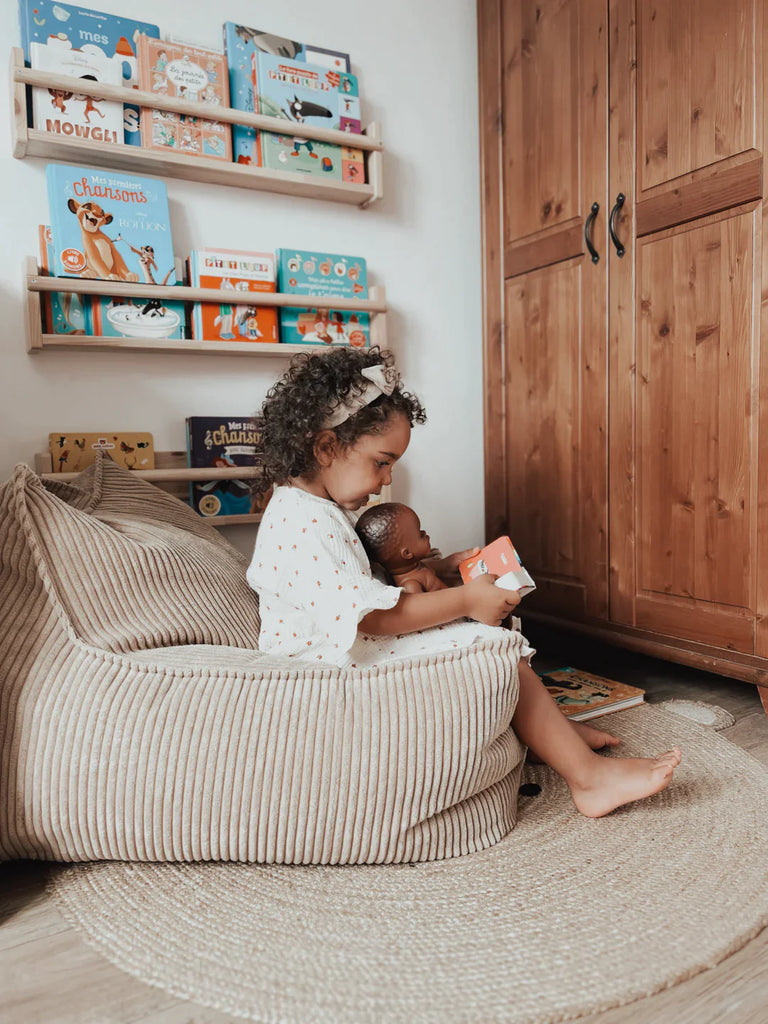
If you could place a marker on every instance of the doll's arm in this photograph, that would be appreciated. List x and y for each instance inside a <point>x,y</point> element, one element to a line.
<point>479,600</point>
<point>448,568</point>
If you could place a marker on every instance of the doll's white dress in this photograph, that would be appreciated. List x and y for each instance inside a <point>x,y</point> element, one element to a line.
<point>315,584</point>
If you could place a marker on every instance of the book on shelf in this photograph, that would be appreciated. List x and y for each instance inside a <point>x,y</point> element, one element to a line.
<point>241,43</point>
<point>63,312</point>
<point>500,558</point>
<point>83,43</point>
<point>243,273</point>
<point>329,276</point>
<point>190,73</point>
<point>112,316</point>
<point>301,93</point>
<point>219,442</point>
<point>582,695</point>
<point>109,225</point>
<point>73,452</point>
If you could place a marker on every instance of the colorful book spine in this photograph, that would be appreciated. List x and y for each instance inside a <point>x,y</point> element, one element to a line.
<point>63,312</point>
<point>241,43</point>
<point>92,36</point>
<point>243,273</point>
<point>219,442</point>
<point>328,276</point>
<point>189,73</point>
<point>109,225</point>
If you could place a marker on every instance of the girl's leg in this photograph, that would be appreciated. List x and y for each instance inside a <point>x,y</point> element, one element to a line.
<point>598,784</point>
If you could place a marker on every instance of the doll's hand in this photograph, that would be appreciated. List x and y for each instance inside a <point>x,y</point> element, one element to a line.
<point>485,602</point>
<point>448,568</point>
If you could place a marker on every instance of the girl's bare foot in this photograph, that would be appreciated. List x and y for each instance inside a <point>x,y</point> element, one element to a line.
<point>614,781</point>
<point>595,739</point>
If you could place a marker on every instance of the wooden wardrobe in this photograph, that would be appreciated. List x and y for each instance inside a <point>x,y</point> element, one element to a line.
<point>625,341</point>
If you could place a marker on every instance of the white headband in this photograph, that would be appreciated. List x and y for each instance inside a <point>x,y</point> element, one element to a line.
<point>381,380</point>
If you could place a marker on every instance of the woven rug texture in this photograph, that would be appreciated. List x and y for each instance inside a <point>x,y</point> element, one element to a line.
<point>565,916</point>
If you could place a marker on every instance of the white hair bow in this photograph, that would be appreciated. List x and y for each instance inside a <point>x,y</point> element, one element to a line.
<point>380,380</point>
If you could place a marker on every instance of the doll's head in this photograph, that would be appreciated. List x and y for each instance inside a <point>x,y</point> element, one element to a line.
<point>392,536</point>
<point>338,421</point>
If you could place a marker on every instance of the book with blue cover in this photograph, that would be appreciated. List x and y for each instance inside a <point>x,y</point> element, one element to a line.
<point>103,39</point>
<point>303,93</point>
<point>328,276</point>
<point>63,312</point>
<point>221,442</point>
<point>241,43</point>
<point>109,225</point>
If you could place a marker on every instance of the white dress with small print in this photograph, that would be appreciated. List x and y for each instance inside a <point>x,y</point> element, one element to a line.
<point>315,584</point>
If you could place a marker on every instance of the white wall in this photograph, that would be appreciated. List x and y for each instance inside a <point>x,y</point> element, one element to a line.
<point>417,66</point>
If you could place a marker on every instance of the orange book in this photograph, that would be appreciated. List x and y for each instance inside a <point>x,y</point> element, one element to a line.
<point>242,273</point>
<point>501,559</point>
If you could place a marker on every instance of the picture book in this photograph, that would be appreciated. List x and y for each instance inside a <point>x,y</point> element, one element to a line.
<point>109,225</point>
<point>72,452</point>
<point>328,276</point>
<point>501,559</point>
<point>79,34</point>
<point>243,273</point>
<point>224,441</point>
<point>190,73</point>
<point>63,312</point>
<point>301,93</point>
<point>241,43</point>
<point>581,695</point>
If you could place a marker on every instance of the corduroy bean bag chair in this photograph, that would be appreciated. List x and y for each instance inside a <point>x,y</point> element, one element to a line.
<point>137,722</point>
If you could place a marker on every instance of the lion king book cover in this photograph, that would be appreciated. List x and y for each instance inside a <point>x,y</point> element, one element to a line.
<point>109,225</point>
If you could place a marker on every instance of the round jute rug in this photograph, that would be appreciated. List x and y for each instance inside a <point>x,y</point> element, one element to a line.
<point>565,916</point>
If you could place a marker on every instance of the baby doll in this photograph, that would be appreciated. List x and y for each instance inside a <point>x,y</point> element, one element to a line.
<point>392,536</point>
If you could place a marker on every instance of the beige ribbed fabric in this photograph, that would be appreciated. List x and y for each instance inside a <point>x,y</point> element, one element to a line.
<point>137,723</point>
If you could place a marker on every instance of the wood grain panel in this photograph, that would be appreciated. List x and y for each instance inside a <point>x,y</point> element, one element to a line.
<point>540,53</point>
<point>563,244</point>
<point>696,85</point>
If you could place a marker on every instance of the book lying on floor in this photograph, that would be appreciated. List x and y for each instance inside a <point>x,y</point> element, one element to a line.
<point>581,695</point>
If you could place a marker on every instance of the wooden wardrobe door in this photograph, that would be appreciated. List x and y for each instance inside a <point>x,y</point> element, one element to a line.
<point>686,138</point>
<point>544,113</point>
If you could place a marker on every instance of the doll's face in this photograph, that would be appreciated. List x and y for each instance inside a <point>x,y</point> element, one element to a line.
<point>412,539</point>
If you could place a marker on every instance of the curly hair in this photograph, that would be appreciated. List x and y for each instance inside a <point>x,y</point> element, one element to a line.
<point>298,404</point>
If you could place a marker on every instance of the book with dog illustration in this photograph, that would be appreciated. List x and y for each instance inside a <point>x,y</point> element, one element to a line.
<point>243,273</point>
<point>63,312</point>
<point>581,695</point>
<point>241,43</point>
<point>501,559</point>
<point>223,441</point>
<point>329,276</point>
<point>83,43</point>
<point>190,73</point>
<point>71,452</point>
<point>301,93</point>
<point>109,225</point>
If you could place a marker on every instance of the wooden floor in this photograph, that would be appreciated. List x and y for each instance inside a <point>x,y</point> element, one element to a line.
<point>49,975</point>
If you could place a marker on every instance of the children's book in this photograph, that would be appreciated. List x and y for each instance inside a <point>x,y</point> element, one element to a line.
<point>581,695</point>
<point>77,37</point>
<point>243,273</point>
<point>330,276</point>
<point>63,312</point>
<point>72,453</point>
<point>241,43</point>
<point>501,559</point>
<point>190,73</point>
<point>299,94</point>
<point>224,441</point>
<point>109,225</point>
<point>118,317</point>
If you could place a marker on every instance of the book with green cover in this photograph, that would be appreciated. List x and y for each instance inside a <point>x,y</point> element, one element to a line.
<point>582,695</point>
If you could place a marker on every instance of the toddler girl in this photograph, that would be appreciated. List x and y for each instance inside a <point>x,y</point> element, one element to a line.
<point>334,426</point>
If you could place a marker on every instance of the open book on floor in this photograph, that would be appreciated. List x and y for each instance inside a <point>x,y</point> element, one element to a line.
<point>582,695</point>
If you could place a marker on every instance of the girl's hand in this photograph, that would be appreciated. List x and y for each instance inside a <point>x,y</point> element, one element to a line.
<point>485,602</point>
<point>448,568</point>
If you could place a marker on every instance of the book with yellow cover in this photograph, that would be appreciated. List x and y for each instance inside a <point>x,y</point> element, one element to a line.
<point>71,453</point>
<point>581,695</point>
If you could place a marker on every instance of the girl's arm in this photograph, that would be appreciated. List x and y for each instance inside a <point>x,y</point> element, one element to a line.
<point>479,600</point>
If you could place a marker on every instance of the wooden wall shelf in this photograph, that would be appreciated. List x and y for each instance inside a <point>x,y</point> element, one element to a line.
<point>172,473</point>
<point>35,283</point>
<point>51,146</point>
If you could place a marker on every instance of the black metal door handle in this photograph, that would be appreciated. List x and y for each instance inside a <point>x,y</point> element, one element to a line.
<point>620,250</point>
<point>589,222</point>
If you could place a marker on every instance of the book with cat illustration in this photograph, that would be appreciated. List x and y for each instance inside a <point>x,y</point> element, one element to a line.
<point>582,695</point>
